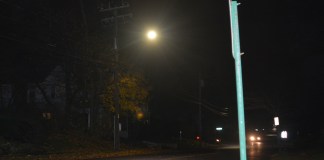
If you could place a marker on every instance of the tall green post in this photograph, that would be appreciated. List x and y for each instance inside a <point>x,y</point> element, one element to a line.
<point>238,71</point>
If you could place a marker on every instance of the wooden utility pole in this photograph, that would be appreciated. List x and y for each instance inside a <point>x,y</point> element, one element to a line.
<point>200,85</point>
<point>114,6</point>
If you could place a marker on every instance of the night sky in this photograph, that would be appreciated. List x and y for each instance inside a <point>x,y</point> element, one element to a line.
<point>283,69</point>
<point>283,65</point>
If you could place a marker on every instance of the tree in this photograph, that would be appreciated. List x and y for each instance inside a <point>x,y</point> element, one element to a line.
<point>134,93</point>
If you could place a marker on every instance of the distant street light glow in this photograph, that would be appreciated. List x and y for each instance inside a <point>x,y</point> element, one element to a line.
<point>276,121</point>
<point>219,129</point>
<point>284,135</point>
<point>140,115</point>
<point>151,35</point>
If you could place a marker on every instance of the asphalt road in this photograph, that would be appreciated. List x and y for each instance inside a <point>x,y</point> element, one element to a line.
<point>226,152</point>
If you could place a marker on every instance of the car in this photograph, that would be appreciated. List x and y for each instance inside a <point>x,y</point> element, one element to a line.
<point>254,138</point>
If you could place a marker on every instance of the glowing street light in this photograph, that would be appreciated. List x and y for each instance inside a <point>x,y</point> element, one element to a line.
<point>151,35</point>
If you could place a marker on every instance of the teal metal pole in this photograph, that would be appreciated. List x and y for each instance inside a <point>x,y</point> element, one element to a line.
<point>238,71</point>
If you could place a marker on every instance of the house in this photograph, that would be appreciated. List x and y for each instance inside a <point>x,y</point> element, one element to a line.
<point>46,96</point>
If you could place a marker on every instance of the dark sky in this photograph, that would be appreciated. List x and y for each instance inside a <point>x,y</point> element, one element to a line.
<point>283,65</point>
<point>283,69</point>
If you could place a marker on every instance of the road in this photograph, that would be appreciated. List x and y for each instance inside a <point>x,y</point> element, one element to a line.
<point>226,152</point>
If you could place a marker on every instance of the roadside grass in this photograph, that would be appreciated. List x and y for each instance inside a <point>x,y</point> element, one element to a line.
<point>76,145</point>
<point>85,155</point>
<point>73,145</point>
<point>305,148</point>
<point>315,154</point>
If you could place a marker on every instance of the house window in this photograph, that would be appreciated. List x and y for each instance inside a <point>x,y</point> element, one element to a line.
<point>47,115</point>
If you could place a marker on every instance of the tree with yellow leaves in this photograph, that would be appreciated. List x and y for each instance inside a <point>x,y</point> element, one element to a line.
<point>134,93</point>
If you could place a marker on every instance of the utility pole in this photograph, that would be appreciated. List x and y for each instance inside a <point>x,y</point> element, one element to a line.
<point>238,71</point>
<point>114,7</point>
<point>200,85</point>
<point>116,97</point>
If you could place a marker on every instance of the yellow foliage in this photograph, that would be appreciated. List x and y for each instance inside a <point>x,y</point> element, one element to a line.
<point>133,93</point>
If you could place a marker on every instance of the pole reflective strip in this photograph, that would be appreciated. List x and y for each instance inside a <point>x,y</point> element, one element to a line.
<point>238,70</point>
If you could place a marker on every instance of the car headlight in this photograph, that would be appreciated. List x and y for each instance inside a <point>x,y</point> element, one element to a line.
<point>252,138</point>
